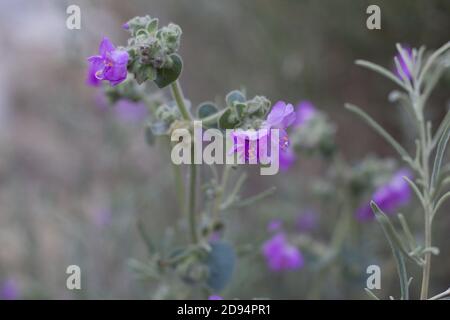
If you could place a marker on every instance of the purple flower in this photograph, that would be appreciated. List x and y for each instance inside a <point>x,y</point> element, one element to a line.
<point>389,197</point>
<point>275,225</point>
<point>403,68</point>
<point>126,26</point>
<point>130,111</point>
<point>252,144</point>
<point>9,290</point>
<point>304,112</point>
<point>110,64</point>
<point>306,221</point>
<point>287,158</point>
<point>281,255</point>
<point>215,297</point>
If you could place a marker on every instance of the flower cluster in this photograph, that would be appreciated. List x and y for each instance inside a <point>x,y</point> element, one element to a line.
<point>149,55</point>
<point>151,49</point>
<point>390,196</point>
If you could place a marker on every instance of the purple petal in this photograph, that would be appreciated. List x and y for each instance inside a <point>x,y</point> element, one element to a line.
<point>105,47</point>
<point>95,65</point>
<point>287,158</point>
<point>281,116</point>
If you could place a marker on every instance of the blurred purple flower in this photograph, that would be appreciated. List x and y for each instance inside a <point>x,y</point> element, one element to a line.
<point>214,236</point>
<point>390,196</point>
<point>130,111</point>
<point>281,255</point>
<point>102,218</point>
<point>306,221</point>
<point>274,225</point>
<point>215,297</point>
<point>126,26</point>
<point>305,111</point>
<point>110,64</point>
<point>287,158</point>
<point>9,290</point>
<point>403,65</point>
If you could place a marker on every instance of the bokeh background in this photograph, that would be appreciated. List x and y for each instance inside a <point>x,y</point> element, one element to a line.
<point>76,176</point>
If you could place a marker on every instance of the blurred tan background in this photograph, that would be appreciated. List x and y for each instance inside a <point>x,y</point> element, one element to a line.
<point>74,176</point>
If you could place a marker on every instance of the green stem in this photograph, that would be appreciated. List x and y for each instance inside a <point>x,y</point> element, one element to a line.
<point>177,94</point>
<point>192,198</point>
<point>212,119</point>
<point>427,193</point>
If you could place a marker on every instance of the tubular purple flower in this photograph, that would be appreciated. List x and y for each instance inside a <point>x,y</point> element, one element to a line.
<point>389,197</point>
<point>403,64</point>
<point>110,64</point>
<point>281,255</point>
<point>215,297</point>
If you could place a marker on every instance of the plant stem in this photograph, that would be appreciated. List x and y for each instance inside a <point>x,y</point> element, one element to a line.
<point>425,155</point>
<point>177,94</point>
<point>192,198</point>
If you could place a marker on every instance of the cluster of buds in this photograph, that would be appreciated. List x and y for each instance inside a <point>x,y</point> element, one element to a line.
<point>243,113</point>
<point>152,50</point>
<point>315,136</point>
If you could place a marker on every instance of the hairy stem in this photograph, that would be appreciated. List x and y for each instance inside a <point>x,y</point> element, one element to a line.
<point>192,198</point>
<point>177,94</point>
<point>425,155</point>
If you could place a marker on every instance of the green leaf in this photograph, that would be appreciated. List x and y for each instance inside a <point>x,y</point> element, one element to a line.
<point>379,129</point>
<point>152,26</point>
<point>169,74</point>
<point>239,109</point>
<point>440,151</point>
<point>221,262</point>
<point>234,96</point>
<point>228,120</point>
<point>382,71</point>
<point>206,109</point>
<point>144,73</point>
<point>395,247</point>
